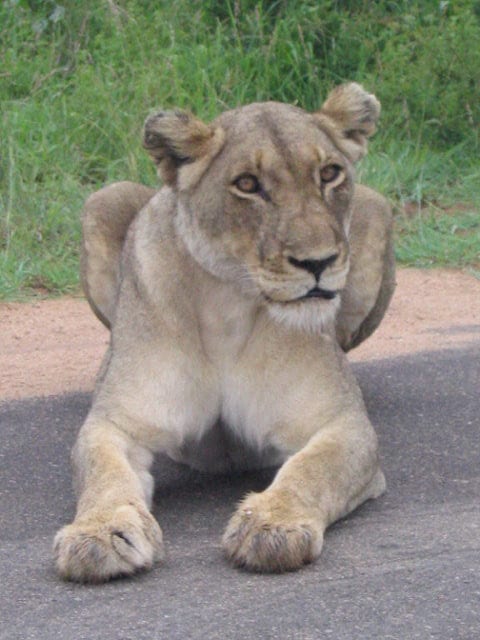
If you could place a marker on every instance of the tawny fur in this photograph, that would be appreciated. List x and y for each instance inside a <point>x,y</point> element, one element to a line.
<point>221,356</point>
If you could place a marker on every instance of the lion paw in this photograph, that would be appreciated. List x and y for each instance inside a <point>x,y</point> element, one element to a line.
<point>265,535</point>
<point>104,546</point>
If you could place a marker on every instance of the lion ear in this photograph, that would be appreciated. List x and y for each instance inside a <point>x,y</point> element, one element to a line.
<point>351,114</point>
<point>174,139</point>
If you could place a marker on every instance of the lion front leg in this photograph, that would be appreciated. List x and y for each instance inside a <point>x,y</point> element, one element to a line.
<point>113,533</point>
<point>282,528</point>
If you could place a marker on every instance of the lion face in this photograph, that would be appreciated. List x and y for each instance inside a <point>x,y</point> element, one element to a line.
<point>264,196</point>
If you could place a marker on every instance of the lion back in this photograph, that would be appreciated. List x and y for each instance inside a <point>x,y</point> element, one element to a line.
<point>106,218</point>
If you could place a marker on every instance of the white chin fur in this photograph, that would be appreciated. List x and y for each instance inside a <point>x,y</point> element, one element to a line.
<point>311,316</point>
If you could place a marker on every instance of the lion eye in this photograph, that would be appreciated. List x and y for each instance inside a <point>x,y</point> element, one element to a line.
<point>330,173</point>
<point>247,183</point>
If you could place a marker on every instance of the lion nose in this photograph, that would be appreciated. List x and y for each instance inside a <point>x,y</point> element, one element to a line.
<point>316,267</point>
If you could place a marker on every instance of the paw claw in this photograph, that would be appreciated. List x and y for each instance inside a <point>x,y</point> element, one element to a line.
<point>123,537</point>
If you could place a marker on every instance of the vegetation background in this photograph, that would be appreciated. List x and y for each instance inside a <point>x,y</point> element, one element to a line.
<point>77,80</point>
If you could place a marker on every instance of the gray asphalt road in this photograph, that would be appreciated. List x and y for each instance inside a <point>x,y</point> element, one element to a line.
<point>403,567</point>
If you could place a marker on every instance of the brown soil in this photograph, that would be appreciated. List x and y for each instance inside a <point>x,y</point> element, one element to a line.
<point>56,346</point>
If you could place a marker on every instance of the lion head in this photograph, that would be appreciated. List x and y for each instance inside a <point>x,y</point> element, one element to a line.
<point>264,196</point>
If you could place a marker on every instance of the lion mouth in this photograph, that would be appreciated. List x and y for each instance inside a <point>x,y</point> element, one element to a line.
<point>313,293</point>
<point>317,292</point>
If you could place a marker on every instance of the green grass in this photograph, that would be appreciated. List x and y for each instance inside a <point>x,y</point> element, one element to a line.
<point>436,198</point>
<point>78,80</point>
<point>434,239</point>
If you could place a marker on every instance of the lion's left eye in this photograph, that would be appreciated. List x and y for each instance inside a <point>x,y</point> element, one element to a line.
<point>247,183</point>
<point>330,172</point>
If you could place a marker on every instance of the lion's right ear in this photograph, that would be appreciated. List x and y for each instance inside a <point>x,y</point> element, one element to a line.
<point>177,138</point>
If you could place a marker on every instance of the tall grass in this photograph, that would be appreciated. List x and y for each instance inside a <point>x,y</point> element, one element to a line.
<point>78,79</point>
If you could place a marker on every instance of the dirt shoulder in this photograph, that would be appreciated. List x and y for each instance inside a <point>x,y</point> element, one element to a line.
<point>56,346</point>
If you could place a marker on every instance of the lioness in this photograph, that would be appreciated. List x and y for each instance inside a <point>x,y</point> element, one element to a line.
<point>228,296</point>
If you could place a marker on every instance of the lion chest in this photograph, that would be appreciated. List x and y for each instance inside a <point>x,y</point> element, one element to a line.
<point>225,322</point>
